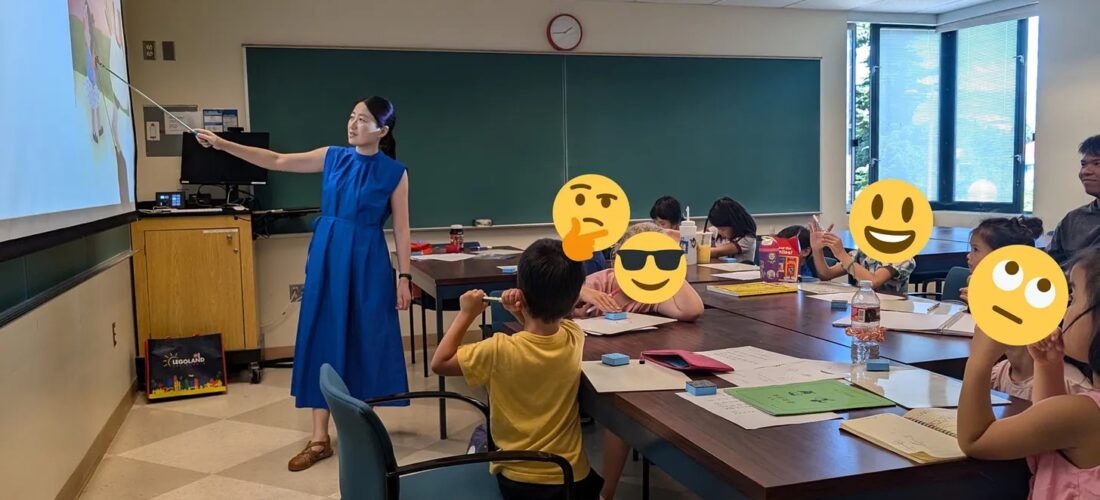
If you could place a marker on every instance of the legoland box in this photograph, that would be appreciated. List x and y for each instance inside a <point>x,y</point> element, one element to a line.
<point>779,259</point>
<point>186,366</point>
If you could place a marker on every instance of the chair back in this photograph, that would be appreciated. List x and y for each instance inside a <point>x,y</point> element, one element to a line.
<point>955,281</point>
<point>366,453</point>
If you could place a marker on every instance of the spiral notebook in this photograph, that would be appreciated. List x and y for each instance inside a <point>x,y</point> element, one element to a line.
<point>925,435</point>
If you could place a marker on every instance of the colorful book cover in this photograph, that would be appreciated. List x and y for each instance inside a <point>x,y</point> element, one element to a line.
<point>779,259</point>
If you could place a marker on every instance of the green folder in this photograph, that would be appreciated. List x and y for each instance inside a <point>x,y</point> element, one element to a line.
<point>808,397</point>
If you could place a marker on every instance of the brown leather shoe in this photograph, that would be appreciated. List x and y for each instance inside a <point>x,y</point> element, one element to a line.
<point>310,455</point>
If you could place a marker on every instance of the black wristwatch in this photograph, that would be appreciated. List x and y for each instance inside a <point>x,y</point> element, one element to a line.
<point>405,275</point>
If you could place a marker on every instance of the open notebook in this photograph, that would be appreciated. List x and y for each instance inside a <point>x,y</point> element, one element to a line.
<point>925,435</point>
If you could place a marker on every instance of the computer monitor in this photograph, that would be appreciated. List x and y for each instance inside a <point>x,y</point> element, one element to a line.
<point>201,165</point>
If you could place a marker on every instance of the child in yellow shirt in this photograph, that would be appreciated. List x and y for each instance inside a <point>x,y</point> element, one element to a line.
<point>532,376</point>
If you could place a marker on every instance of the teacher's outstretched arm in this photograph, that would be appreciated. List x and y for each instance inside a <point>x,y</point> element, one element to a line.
<point>399,205</point>
<point>302,163</point>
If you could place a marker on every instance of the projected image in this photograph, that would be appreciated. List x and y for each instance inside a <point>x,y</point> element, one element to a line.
<point>96,29</point>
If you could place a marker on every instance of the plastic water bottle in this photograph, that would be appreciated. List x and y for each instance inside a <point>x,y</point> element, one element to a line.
<point>688,243</point>
<point>865,315</point>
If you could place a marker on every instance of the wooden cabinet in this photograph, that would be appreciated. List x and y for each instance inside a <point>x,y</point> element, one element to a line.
<point>194,275</point>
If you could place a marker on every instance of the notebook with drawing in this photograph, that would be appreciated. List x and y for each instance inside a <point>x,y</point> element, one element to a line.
<point>633,322</point>
<point>925,435</point>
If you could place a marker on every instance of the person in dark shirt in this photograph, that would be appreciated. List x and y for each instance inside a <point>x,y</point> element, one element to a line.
<point>1080,229</point>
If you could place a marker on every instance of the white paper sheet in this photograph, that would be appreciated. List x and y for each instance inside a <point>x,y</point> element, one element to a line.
<point>732,267</point>
<point>963,326</point>
<point>633,377</point>
<point>445,257</point>
<point>904,321</point>
<point>847,296</point>
<point>802,371</point>
<point>634,321</point>
<point>749,357</point>
<point>497,252</point>
<point>744,415</point>
<point>916,388</point>
<point>826,287</point>
<point>739,275</point>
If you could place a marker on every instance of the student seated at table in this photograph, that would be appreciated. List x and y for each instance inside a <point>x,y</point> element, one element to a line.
<point>1059,433</point>
<point>601,294</point>
<point>890,277</point>
<point>666,212</point>
<point>807,269</point>
<point>532,376</point>
<point>736,230</point>
<point>1080,228</point>
<point>1014,374</point>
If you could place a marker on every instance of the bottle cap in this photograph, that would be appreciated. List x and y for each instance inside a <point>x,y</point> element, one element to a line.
<point>456,226</point>
<point>865,283</point>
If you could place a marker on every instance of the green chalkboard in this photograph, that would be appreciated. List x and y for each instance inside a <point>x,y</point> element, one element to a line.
<point>25,277</point>
<point>698,129</point>
<point>494,135</point>
<point>481,134</point>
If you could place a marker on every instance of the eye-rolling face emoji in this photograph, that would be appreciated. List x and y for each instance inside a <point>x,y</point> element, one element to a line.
<point>650,267</point>
<point>591,213</point>
<point>891,221</point>
<point>1018,294</point>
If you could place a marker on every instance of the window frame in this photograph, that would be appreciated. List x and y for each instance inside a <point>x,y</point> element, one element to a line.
<point>948,106</point>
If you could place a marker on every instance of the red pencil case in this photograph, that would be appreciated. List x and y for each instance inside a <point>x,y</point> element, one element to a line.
<point>685,361</point>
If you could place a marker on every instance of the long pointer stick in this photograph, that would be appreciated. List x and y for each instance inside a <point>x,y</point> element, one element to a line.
<point>150,99</point>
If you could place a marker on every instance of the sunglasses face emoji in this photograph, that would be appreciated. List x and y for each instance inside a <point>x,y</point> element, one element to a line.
<point>1018,295</point>
<point>650,267</point>
<point>591,213</point>
<point>891,220</point>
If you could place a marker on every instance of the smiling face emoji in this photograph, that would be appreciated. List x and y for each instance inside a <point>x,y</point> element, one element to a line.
<point>891,221</point>
<point>650,267</point>
<point>1018,294</point>
<point>598,203</point>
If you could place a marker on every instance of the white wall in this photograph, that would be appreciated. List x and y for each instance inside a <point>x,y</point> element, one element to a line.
<point>1068,105</point>
<point>61,377</point>
<point>209,72</point>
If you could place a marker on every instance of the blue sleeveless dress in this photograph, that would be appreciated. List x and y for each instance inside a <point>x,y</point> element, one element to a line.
<point>348,317</point>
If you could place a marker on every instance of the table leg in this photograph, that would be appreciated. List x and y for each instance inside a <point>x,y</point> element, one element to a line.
<point>442,380</point>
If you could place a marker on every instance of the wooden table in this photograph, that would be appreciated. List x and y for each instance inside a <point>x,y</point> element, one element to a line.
<point>445,281</point>
<point>701,274</point>
<point>718,459</point>
<point>797,312</point>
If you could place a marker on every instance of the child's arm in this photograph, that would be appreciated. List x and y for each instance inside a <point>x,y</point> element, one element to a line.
<point>444,362</point>
<point>825,272</point>
<point>1055,424</point>
<point>726,250</point>
<point>1049,370</point>
<point>512,300</point>
<point>847,262</point>
<point>686,305</point>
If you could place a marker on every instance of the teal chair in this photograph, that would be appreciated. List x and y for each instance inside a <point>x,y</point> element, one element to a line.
<point>368,467</point>
<point>951,286</point>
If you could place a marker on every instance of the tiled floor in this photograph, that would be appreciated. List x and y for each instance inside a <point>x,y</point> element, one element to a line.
<point>236,446</point>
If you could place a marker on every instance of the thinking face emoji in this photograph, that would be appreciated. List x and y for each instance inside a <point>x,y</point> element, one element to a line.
<point>891,221</point>
<point>591,213</point>
<point>650,267</point>
<point>1018,294</point>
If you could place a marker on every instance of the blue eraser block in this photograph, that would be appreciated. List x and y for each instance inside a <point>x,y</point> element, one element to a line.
<point>878,365</point>
<point>701,388</point>
<point>839,304</point>
<point>727,260</point>
<point>615,316</point>
<point>508,269</point>
<point>615,359</point>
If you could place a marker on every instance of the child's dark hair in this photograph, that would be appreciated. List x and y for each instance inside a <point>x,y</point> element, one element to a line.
<point>1090,146</point>
<point>386,115</point>
<point>1088,261</point>
<point>667,208</point>
<point>803,235</point>
<point>550,281</point>
<point>728,213</point>
<point>1004,231</point>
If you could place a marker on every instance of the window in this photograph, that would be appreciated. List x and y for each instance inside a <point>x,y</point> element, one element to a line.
<point>952,113</point>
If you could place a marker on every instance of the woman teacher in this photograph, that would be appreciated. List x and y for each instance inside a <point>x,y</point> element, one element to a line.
<point>349,309</point>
